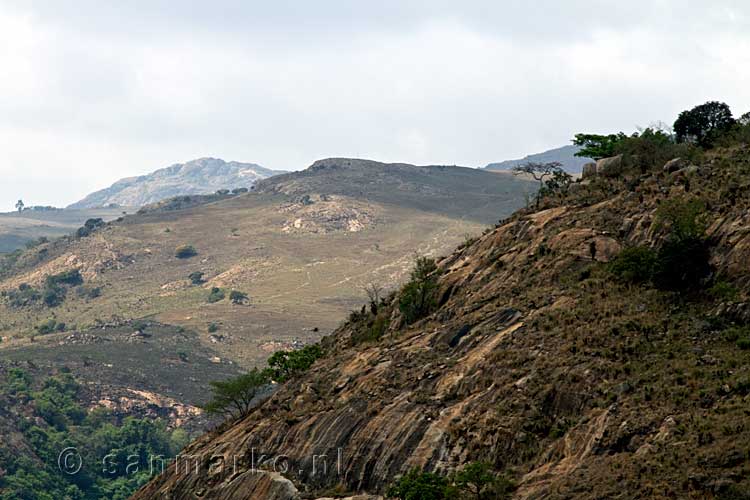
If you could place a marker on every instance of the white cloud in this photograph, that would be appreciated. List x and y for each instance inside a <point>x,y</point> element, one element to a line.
<point>95,91</point>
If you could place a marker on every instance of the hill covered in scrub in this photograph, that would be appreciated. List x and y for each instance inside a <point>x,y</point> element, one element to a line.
<point>201,176</point>
<point>595,346</point>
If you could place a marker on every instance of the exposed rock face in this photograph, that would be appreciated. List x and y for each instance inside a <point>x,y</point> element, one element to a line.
<point>589,170</point>
<point>535,360</point>
<point>202,176</point>
<point>609,167</point>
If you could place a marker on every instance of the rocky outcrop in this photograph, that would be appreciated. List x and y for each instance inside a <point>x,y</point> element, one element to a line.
<point>609,167</point>
<point>589,170</point>
<point>201,176</point>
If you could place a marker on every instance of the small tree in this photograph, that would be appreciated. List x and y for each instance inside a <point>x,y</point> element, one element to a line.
<point>558,184</point>
<point>597,146</point>
<point>540,172</point>
<point>418,485</point>
<point>417,297</point>
<point>374,294</point>
<point>19,205</point>
<point>234,397</point>
<point>284,365</point>
<point>479,481</point>
<point>703,123</point>
<point>744,120</point>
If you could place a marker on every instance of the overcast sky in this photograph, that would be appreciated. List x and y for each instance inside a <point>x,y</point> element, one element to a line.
<point>95,90</point>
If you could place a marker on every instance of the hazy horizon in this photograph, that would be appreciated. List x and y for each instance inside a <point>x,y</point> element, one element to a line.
<point>95,92</point>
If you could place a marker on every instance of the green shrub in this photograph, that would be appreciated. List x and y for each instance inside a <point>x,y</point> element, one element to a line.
<point>284,365</point>
<point>24,296</point>
<point>185,252</point>
<point>723,290</point>
<point>744,343</point>
<point>418,485</point>
<point>418,296</point>
<point>196,278</point>
<point>634,265</point>
<point>682,264</point>
<point>238,297</point>
<point>49,326</point>
<point>686,217</point>
<point>216,295</point>
<point>71,278</point>
<point>213,327</point>
<point>53,295</point>
<point>478,480</point>
<point>89,292</point>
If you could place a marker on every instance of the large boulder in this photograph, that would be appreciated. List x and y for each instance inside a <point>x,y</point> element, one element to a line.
<point>589,170</point>
<point>674,165</point>
<point>609,167</point>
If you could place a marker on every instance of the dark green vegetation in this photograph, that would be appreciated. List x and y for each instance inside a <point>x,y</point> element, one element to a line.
<point>704,124</point>
<point>681,262</point>
<point>215,295</point>
<point>117,454</point>
<point>418,296</point>
<point>476,481</point>
<point>53,294</point>
<point>185,252</point>
<point>89,227</point>
<point>284,365</point>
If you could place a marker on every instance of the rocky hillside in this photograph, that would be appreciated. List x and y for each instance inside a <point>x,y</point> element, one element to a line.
<point>595,347</point>
<point>565,155</point>
<point>201,176</point>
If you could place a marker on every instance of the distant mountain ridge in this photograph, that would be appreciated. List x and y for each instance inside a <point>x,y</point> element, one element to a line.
<point>565,155</point>
<point>201,176</point>
<point>468,193</point>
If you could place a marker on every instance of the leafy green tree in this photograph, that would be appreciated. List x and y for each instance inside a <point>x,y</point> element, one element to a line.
<point>744,120</point>
<point>418,485</point>
<point>284,365</point>
<point>417,297</point>
<point>234,397</point>
<point>703,123</point>
<point>598,146</point>
<point>479,481</point>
